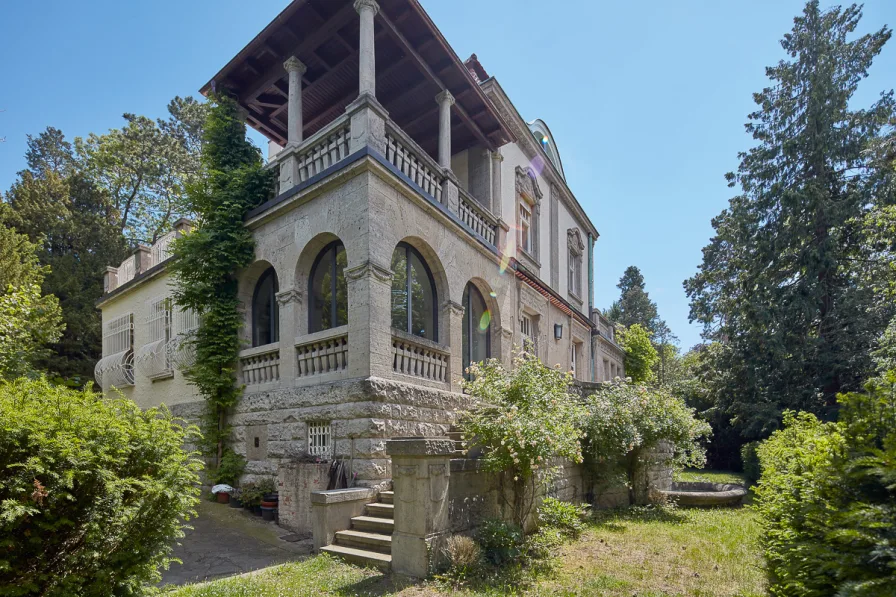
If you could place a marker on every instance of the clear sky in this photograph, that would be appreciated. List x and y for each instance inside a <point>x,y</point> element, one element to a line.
<point>646,99</point>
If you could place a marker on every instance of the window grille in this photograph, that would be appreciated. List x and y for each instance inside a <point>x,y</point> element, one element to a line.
<point>152,358</point>
<point>319,434</point>
<point>118,336</point>
<point>116,368</point>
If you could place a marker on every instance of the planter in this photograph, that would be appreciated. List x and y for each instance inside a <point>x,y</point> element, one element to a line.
<point>256,510</point>
<point>236,502</point>
<point>223,498</point>
<point>267,504</point>
<point>268,513</point>
<point>271,497</point>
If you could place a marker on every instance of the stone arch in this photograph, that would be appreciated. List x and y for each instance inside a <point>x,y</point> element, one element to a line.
<point>491,303</point>
<point>307,258</point>
<point>247,280</point>
<point>440,281</point>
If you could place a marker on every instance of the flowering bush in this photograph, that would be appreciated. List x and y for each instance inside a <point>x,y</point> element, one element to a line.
<point>525,420</point>
<point>625,422</point>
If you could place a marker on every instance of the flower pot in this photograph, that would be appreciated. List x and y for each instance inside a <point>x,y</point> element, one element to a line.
<point>236,502</point>
<point>256,510</point>
<point>223,498</point>
<point>267,504</point>
<point>271,497</point>
<point>268,513</point>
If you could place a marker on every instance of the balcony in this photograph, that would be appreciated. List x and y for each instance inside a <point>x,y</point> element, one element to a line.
<point>144,258</point>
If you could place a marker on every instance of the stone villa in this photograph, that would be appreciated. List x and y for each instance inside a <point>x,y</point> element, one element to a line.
<point>421,224</point>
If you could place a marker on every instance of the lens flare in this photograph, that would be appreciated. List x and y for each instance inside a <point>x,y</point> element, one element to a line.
<point>485,320</point>
<point>537,164</point>
<point>493,294</point>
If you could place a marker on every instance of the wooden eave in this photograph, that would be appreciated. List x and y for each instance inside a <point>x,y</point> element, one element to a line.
<point>413,64</point>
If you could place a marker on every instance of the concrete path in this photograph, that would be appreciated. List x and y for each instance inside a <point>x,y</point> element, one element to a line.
<point>227,541</point>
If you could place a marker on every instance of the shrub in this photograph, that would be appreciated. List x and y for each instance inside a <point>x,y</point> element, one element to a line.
<point>625,422</point>
<point>566,517</point>
<point>827,499</point>
<point>462,552</point>
<point>93,492</point>
<point>501,542</point>
<point>749,460</point>
<point>230,470</point>
<point>525,420</point>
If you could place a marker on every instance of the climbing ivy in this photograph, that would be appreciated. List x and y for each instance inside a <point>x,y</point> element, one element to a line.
<point>207,260</point>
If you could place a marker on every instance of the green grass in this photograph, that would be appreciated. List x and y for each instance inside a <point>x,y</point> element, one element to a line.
<point>648,552</point>
<point>693,475</point>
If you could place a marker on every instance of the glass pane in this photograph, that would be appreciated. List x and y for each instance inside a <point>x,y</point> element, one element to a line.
<point>263,315</point>
<point>341,305</point>
<point>481,327</point>
<point>422,300</point>
<point>322,294</point>
<point>400,289</point>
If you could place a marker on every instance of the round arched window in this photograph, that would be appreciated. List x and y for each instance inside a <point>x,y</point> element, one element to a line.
<point>414,301</point>
<point>328,290</point>
<point>265,315</point>
<point>477,328</point>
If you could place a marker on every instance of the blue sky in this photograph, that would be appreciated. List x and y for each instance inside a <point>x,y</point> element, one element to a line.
<point>647,99</point>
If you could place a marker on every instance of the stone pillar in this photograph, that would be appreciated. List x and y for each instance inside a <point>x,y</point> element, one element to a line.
<point>110,279</point>
<point>142,258</point>
<point>182,226</point>
<point>369,327</point>
<point>421,468</point>
<point>453,316</point>
<point>294,126</point>
<point>497,206</point>
<point>480,176</point>
<point>450,192</point>
<point>289,302</point>
<point>445,101</point>
<point>368,124</point>
<point>367,57</point>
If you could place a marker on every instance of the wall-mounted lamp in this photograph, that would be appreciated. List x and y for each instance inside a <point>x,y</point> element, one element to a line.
<point>558,331</point>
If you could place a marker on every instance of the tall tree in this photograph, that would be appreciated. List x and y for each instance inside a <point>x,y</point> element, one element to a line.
<point>781,281</point>
<point>634,305</point>
<point>29,320</point>
<point>667,351</point>
<point>66,217</point>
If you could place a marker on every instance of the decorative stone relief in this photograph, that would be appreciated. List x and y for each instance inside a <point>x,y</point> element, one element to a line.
<point>369,268</point>
<point>574,241</point>
<point>531,299</point>
<point>289,296</point>
<point>527,184</point>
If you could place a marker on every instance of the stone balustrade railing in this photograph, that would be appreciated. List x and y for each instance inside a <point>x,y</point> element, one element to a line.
<point>477,217</point>
<point>418,357</point>
<point>260,365</point>
<point>127,270</point>
<point>315,154</point>
<point>322,353</point>
<point>161,250</point>
<point>144,258</point>
<point>403,153</point>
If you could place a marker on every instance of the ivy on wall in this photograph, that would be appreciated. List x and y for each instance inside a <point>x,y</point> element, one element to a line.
<point>206,262</point>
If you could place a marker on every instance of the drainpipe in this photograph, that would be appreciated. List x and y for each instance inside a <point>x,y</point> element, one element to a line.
<point>591,294</point>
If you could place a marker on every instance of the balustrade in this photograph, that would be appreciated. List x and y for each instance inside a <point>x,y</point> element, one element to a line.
<point>260,365</point>
<point>419,358</point>
<point>323,352</point>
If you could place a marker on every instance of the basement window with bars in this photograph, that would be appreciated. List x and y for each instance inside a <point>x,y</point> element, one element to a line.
<point>319,438</point>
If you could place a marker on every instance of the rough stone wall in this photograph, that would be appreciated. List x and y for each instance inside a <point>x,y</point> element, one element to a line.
<point>296,481</point>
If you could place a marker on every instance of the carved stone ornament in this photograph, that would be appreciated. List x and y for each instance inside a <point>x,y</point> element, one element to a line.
<point>383,274</point>
<point>456,309</point>
<point>404,471</point>
<point>574,240</point>
<point>527,184</point>
<point>289,296</point>
<point>294,64</point>
<point>361,4</point>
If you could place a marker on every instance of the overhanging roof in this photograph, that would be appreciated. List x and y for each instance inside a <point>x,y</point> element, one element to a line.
<point>413,62</point>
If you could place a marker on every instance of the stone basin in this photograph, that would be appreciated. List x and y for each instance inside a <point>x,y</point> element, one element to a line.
<point>705,495</point>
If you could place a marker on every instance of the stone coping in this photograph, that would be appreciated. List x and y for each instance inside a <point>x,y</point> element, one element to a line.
<point>701,494</point>
<point>420,446</point>
<point>336,496</point>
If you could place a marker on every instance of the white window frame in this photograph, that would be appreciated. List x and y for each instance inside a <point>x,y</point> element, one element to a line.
<point>573,358</point>
<point>526,234</point>
<point>320,438</point>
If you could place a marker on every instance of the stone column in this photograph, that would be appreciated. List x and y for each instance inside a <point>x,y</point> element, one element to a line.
<point>453,336</point>
<point>369,326</point>
<point>289,302</point>
<point>367,57</point>
<point>294,126</point>
<point>497,202</point>
<point>421,468</point>
<point>445,101</point>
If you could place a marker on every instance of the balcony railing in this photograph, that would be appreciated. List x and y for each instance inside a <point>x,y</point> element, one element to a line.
<point>477,217</point>
<point>260,365</point>
<point>127,270</point>
<point>315,154</point>
<point>322,353</point>
<point>403,153</point>
<point>419,358</point>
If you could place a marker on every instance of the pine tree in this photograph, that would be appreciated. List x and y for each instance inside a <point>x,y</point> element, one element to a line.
<point>634,305</point>
<point>781,281</point>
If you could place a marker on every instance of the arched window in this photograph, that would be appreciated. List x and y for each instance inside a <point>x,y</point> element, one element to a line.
<point>413,294</point>
<point>328,290</point>
<point>477,328</point>
<point>265,315</point>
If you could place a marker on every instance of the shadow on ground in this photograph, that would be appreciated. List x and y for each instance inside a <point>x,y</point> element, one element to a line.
<point>226,541</point>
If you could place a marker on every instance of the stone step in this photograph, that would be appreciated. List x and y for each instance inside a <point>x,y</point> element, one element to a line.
<point>373,524</point>
<point>455,435</point>
<point>363,557</point>
<point>361,540</point>
<point>380,510</point>
<point>458,454</point>
<point>387,497</point>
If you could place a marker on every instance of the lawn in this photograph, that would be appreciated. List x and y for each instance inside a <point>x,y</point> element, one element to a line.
<point>647,552</point>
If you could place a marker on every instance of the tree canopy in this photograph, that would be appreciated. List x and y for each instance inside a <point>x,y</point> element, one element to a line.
<point>634,305</point>
<point>784,283</point>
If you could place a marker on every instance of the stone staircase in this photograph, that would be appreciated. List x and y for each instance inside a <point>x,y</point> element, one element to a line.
<point>369,541</point>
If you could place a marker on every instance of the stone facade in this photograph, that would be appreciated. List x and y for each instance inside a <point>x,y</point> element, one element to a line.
<point>361,181</point>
